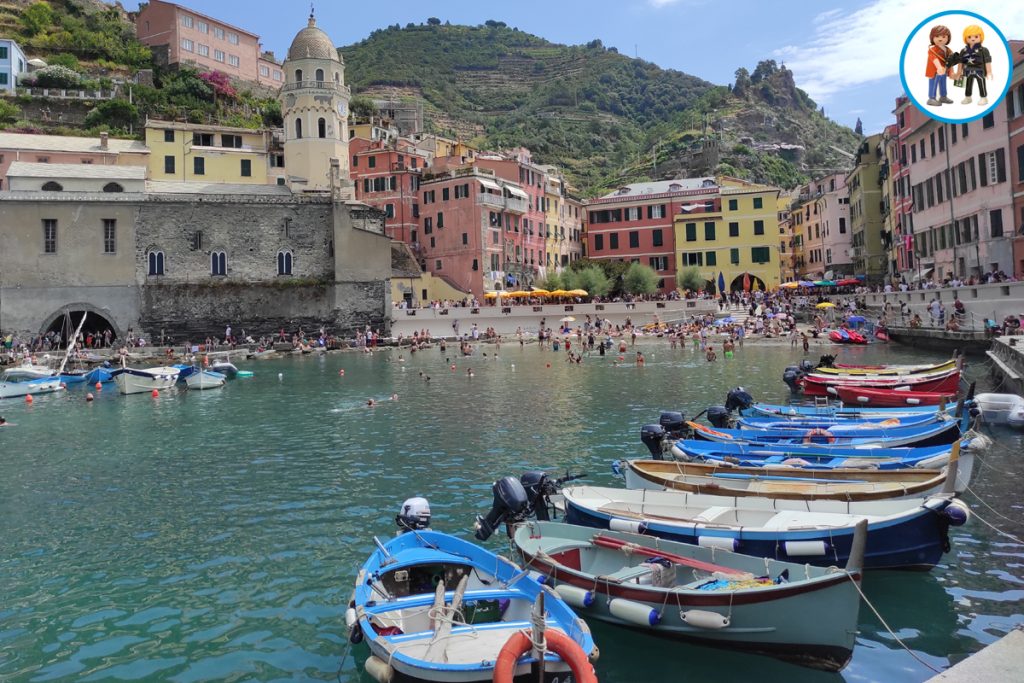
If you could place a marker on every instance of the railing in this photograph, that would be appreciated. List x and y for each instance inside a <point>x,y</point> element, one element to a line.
<point>321,85</point>
<point>494,200</point>
<point>516,205</point>
<point>70,93</point>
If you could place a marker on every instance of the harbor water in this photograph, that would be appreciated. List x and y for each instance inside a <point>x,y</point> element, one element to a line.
<point>215,535</point>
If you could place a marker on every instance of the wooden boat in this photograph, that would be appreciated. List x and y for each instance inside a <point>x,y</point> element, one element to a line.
<point>902,534</point>
<point>809,421</point>
<point>846,337</point>
<point>205,379</point>
<point>834,410</point>
<point>948,381</point>
<point>733,608</point>
<point>433,607</point>
<point>840,433</point>
<point>870,370</point>
<point>821,456</point>
<point>889,398</point>
<point>781,481</point>
<point>709,596</point>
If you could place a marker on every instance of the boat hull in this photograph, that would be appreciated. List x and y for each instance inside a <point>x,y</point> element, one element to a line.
<point>949,383</point>
<point>876,370</point>
<point>30,387</point>
<point>131,381</point>
<point>916,539</point>
<point>205,379</point>
<point>891,398</point>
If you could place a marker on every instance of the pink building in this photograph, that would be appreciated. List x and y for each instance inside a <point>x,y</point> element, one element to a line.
<point>60,149</point>
<point>472,228</point>
<point>178,35</point>
<point>827,237</point>
<point>959,177</point>
<point>387,176</point>
<point>1015,113</point>
<point>901,206</point>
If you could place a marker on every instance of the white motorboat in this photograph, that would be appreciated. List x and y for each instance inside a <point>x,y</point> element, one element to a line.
<point>15,382</point>
<point>1007,409</point>
<point>140,381</point>
<point>29,370</point>
<point>224,367</point>
<point>205,379</point>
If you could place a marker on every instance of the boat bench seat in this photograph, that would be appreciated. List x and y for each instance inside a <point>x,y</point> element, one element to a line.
<point>626,574</point>
<point>713,512</point>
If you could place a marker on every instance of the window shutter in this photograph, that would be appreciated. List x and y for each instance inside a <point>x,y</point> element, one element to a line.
<point>983,169</point>
<point>1000,165</point>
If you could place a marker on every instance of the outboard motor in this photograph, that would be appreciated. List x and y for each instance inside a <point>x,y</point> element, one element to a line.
<point>414,515</point>
<point>806,366</point>
<point>537,486</point>
<point>510,500</point>
<point>719,417</point>
<point>654,437</point>
<point>791,376</point>
<point>674,422</point>
<point>826,361</point>
<point>738,399</point>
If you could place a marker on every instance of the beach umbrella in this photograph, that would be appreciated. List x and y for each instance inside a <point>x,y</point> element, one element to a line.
<point>567,319</point>
<point>490,295</point>
<point>805,283</point>
<point>848,282</point>
<point>746,282</point>
<point>578,292</point>
<point>540,292</point>
<point>826,304</point>
<point>825,283</point>
<point>856,319</point>
<point>789,285</point>
<point>721,282</point>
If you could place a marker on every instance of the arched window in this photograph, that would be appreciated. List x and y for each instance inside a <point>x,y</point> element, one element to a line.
<point>113,187</point>
<point>52,187</point>
<point>298,75</point>
<point>320,76</point>
<point>337,77</point>
<point>218,263</point>
<point>298,128</point>
<point>321,128</point>
<point>284,263</point>
<point>156,263</point>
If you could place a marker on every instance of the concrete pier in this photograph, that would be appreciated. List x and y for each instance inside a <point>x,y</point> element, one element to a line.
<point>974,342</point>
<point>1003,660</point>
<point>1007,356</point>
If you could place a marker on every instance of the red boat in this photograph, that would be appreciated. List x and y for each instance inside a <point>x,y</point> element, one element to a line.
<point>890,398</point>
<point>847,337</point>
<point>947,382</point>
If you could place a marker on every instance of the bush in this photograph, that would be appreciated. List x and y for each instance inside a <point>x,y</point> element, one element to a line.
<point>690,278</point>
<point>36,17</point>
<point>591,278</point>
<point>640,279</point>
<point>220,83</point>
<point>362,107</point>
<point>64,59</point>
<point>54,76</point>
<point>9,112</point>
<point>114,113</point>
<point>553,281</point>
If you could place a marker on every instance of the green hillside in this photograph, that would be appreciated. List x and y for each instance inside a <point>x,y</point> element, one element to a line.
<point>604,117</point>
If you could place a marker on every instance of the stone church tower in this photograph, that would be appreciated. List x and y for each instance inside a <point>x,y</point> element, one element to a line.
<point>314,104</point>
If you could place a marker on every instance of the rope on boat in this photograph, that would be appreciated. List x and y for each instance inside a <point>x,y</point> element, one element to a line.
<point>887,627</point>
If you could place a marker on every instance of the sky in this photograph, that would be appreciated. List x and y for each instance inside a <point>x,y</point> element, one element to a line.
<point>844,54</point>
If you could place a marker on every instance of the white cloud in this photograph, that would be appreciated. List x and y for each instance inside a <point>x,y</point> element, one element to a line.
<point>658,4</point>
<point>853,48</point>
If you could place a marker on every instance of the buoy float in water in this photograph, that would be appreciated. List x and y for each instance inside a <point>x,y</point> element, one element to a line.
<point>342,372</point>
<point>89,396</point>
<point>29,399</point>
<point>453,367</point>
<point>99,386</point>
<point>156,394</point>
<point>280,376</point>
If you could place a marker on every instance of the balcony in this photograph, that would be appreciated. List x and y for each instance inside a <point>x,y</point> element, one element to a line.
<point>492,200</point>
<point>516,205</point>
<point>327,86</point>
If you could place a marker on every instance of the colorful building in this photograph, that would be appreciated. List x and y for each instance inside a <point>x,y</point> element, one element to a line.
<point>901,218</point>
<point>825,230</point>
<point>214,154</point>
<point>731,229</point>
<point>868,254</point>
<point>60,149</point>
<point>1015,133</point>
<point>784,205</point>
<point>179,35</point>
<point>13,65</point>
<point>387,176</point>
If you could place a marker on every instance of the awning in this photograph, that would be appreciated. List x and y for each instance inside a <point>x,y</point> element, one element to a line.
<point>516,192</point>
<point>923,275</point>
<point>488,185</point>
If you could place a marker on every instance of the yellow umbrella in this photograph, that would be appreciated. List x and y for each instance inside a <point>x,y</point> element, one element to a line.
<point>490,295</point>
<point>559,292</point>
<point>540,292</point>
<point>789,285</point>
<point>826,304</point>
<point>578,292</point>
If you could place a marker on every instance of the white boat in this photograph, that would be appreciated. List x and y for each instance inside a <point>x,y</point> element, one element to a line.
<point>15,382</point>
<point>28,370</point>
<point>205,379</point>
<point>1007,409</point>
<point>224,367</point>
<point>140,381</point>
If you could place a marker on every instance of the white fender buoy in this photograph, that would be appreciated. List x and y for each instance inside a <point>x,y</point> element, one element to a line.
<point>350,617</point>
<point>722,542</point>
<point>627,525</point>
<point>574,595</point>
<point>379,669</point>
<point>634,612</point>
<point>805,548</point>
<point>280,376</point>
<point>704,619</point>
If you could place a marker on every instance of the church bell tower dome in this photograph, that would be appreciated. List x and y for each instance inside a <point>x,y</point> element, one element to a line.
<point>314,105</point>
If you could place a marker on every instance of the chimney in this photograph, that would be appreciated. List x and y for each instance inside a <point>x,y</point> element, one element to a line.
<point>103,140</point>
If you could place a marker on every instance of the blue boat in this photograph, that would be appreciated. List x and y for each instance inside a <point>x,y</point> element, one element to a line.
<point>838,433</point>
<point>434,607</point>
<point>902,534</point>
<point>820,456</point>
<point>100,374</point>
<point>834,410</point>
<point>812,421</point>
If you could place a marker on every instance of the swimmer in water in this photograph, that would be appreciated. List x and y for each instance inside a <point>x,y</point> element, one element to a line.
<point>394,397</point>
<point>370,403</point>
<point>469,372</point>
<point>3,421</point>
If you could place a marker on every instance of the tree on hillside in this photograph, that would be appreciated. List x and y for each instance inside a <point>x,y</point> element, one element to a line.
<point>36,17</point>
<point>9,112</point>
<point>742,83</point>
<point>362,107</point>
<point>859,127</point>
<point>433,21</point>
<point>764,69</point>
<point>114,113</point>
<point>640,279</point>
<point>690,278</point>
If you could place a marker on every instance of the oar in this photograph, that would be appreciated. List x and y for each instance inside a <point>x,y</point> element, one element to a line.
<point>618,544</point>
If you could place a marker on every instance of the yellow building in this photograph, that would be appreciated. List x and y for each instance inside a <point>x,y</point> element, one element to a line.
<point>213,154</point>
<point>736,234</point>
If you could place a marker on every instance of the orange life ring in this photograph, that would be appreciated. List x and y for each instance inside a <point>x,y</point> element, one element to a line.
<point>556,641</point>
<point>818,431</point>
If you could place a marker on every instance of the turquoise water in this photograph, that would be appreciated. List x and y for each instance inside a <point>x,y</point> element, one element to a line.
<point>215,535</point>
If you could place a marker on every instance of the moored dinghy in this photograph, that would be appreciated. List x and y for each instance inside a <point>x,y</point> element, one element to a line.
<point>707,595</point>
<point>433,607</point>
<point>140,381</point>
<point>205,379</point>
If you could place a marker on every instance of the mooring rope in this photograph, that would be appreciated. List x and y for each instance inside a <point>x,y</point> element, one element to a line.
<point>996,529</point>
<point>997,512</point>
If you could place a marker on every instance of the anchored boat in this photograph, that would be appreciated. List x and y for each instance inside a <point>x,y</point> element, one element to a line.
<point>709,596</point>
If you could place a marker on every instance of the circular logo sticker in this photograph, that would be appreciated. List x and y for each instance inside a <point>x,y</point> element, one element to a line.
<point>955,66</point>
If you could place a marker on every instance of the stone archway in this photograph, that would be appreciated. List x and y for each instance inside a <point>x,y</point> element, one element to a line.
<point>737,283</point>
<point>66,320</point>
